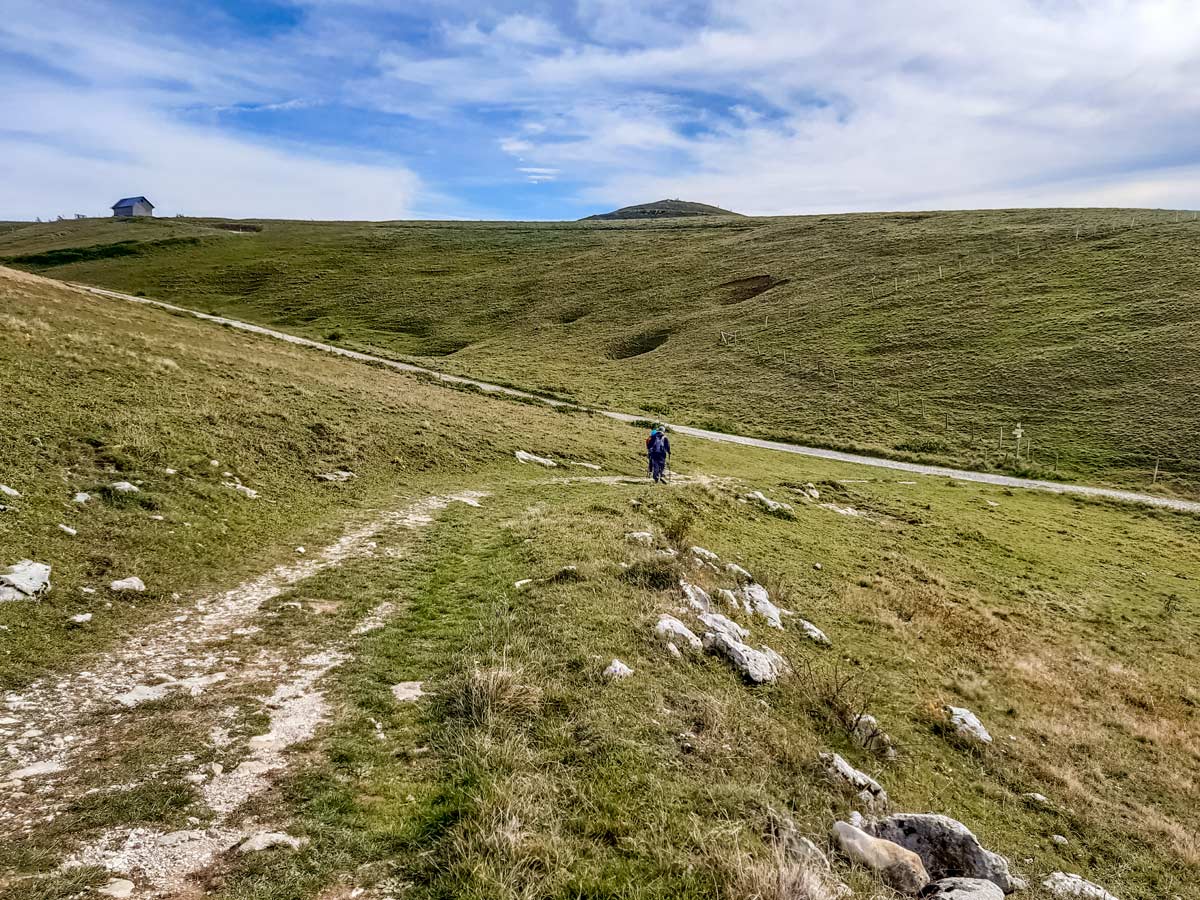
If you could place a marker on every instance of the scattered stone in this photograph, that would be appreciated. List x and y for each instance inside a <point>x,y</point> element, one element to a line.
<point>1059,839</point>
<point>967,725</point>
<point>158,518</point>
<point>617,670</point>
<point>817,566</point>
<point>760,666</point>
<point>9,492</point>
<point>265,840</point>
<point>869,790</point>
<point>946,846</point>
<point>585,465</point>
<point>1038,798</point>
<point>696,596</point>
<point>214,463</point>
<point>640,537</point>
<point>723,625</point>
<point>336,475</point>
<point>24,580</point>
<point>81,497</point>
<point>407,691</point>
<point>866,729</point>
<point>67,529</point>
<point>758,601</point>
<point>901,869</point>
<point>1061,884</point>
<point>117,887</point>
<point>810,490</point>
<point>669,551</point>
<point>770,505</point>
<point>36,770</point>
<point>673,630</point>
<point>962,889</point>
<point>4,508</point>
<point>705,554</point>
<point>87,590</point>
<point>523,583</point>
<point>124,487</point>
<point>738,572</point>
<point>729,597</point>
<point>81,618</point>
<point>524,457</point>
<point>133,583</point>
<point>248,492</point>
<point>226,474</point>
<point>814,633</point>
<point>300,550</point>
<point>169,472</point>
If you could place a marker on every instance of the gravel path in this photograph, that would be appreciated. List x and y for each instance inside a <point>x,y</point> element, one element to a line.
<point>1054,487</point>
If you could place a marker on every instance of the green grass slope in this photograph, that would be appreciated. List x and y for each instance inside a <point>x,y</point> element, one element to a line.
<point>927,335</point>
<point>1067,625</point>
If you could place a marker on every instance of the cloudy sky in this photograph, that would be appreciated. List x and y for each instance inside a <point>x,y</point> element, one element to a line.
<point>378,109</point>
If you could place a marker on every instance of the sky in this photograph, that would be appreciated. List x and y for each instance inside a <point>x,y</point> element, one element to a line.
<point>390,109</point>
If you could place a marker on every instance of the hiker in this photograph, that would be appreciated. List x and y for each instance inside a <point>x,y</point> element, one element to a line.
<point>658,448</point>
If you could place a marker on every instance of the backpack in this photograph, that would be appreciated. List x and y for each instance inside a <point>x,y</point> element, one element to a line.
<point>657,444</point>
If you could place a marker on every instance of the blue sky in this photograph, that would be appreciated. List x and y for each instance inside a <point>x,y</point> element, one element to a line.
<point>385,109</point>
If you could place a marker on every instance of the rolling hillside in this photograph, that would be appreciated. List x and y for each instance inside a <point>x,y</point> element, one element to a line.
<point>921,335</point>
<point>370,637</point>
<point>662,209</point>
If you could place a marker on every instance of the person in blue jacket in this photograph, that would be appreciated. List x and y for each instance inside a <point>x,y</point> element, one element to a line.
<point>658,448</point>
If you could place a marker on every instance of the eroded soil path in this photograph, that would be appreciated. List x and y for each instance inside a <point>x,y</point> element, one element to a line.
<point>64,732</point>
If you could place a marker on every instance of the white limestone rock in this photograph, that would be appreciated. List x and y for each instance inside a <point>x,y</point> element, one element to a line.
<point>962,889</point>
<point>759,666</point>
<point>617,670</point>
<point>24,580</point>
<point>645,538</point>
<point>67,529</point>
<point>336,475</point>
<point>758,601</point>
<point>967,725</point>
<point>813,633</point>
<point>81,618</point>
<point>124,487</point>
<point>868,789</point>
<point>675,632</point>
<point>116,887</point>
<point>266,840</point>
<point>901,869</point>
<point>524,457</point>
<point>132,583</point>
<point>706,555</point>
<point>719,623</point>
<point>247,492</point>
<point>766,502</point>
<point>81,497</point>
<point>738,572</point>
<point>1074,887</point>
<point>9,492</point>
<point>696,596</point>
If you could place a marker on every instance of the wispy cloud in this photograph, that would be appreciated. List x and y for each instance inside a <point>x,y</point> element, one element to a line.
<point>765,106</point>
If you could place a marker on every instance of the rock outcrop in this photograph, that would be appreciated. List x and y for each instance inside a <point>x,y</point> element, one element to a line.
<point>947,847</point>
<point>967,725</point>
<point>869,791</point>
<point>675,632</point>
<point>760,666</point>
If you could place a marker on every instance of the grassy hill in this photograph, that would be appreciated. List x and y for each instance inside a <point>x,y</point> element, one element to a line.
<point>1067,625</point>
<point>662,209</point>
<point>923,335</point>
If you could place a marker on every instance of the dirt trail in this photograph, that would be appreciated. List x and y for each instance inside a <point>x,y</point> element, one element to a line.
<point>780,446</point>
<point>56,729</point>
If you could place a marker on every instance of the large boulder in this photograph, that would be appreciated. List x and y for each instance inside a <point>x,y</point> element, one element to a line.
<point>675,632</point>
<point>946,846</point>
<point>1060,884</point>
<point>901,869</point>
<point>962,889</point>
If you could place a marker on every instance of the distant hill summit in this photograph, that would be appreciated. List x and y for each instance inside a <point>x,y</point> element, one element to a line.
<point>663,209</point>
